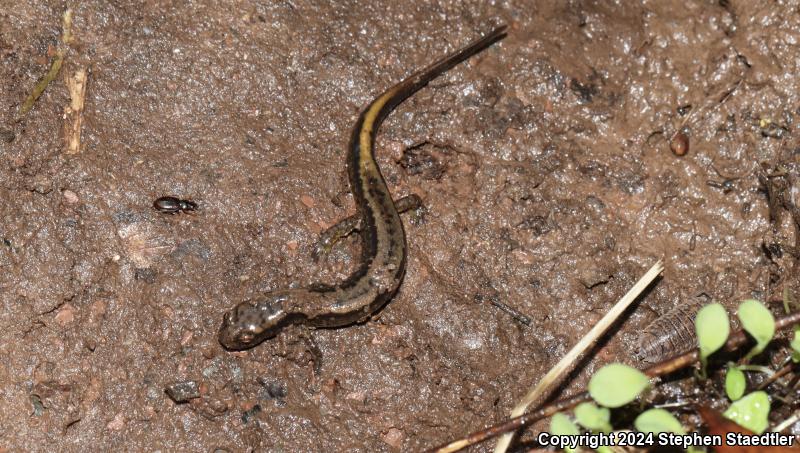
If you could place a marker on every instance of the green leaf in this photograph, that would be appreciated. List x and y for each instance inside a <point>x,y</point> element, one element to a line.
<point>758,322</point>
<point>561,425</point>
<point>658,421</point>
<point>735,383</point>
<point>795,344</point>
<point>616,385</point>
<point>592,417</point>
<point>712,328</point>
<point>750,412</point>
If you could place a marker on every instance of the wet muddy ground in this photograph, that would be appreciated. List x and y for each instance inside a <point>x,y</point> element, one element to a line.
<point>544,164</point>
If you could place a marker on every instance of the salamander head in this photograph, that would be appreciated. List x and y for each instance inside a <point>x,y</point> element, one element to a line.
<point>252,322</point>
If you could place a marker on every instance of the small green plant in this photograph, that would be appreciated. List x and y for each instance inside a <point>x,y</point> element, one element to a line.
<point>795,345</point>
<point>750,412</point>
<point>561,425</point>
<point>616,385</point>
<point>658,421</point>
<point>592,417</point>
<point>712,327</point>
<point>735,382</point>
<point>759,323</point>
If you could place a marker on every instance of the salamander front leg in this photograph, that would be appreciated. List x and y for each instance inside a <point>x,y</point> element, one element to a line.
<point>348,225</point>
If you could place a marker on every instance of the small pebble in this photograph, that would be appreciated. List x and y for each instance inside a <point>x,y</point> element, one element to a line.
<point>97,310</point>
<point>117,424</point>
<point>181,392</point>
<point>7,135</point>
<point>208,349</point>
<point>70,196</point>
<point>359,396</point>
<point>307,201</point>
<point>395,149</point>
<point>249,414</point>
<point>330,385</point>
<point>679,144</point>
<point>590,276</point>
<point>393,437</point>
<point>273,389</point>
<point>65,315</point>
<point>145,274</point>
<point>149,412</point>
<point>522,256</point>
<point>38,407</point>
<point>186,338</point>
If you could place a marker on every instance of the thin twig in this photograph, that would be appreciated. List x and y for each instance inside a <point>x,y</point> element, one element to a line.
<point>55,67</point>
<point>777,375</point>
<point>519,317</point>
<point>786,423</point>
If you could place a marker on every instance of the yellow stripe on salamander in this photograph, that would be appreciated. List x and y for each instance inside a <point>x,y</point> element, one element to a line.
<point>365,137</point>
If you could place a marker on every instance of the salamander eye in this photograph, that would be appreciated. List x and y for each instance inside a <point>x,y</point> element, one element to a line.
<point>246,337</point>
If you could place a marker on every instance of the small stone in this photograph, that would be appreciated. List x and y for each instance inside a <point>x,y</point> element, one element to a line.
<point>329,385</point>
<point>70,196</point>
<point>117,424</point>
<point>7,135</point>
<point>186,338</point>
<point>522,256</point>
<point>181,392</point>
<point>145,274</point>
<point>273,389</point>
<point>65,315</point>
<point>149,412</point>
<point>592,276</point>
<point>209,408</point>
<point>395,149</point>
<point>208,349</point>
<point>97,309</point>
<point>359,396</point>
<point>393,437</point>
<point>307,201</point>
<point>250,413</point>
<point>679,144</point>
<point>42,185</point>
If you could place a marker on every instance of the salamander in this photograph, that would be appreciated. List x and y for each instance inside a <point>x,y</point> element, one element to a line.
<point>383,261</point>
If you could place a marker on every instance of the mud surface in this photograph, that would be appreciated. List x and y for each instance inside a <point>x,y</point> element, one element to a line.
<point>544,164</point>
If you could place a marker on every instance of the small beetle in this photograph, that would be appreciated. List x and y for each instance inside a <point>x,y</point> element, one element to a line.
<point>173,205</point>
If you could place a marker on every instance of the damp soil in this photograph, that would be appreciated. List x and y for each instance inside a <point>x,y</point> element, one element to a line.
<point>545,163</point>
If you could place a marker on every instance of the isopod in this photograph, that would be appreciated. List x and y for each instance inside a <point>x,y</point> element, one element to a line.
<point>671,333</point>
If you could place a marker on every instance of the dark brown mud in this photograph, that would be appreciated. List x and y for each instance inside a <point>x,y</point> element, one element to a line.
<point>545,165</point>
